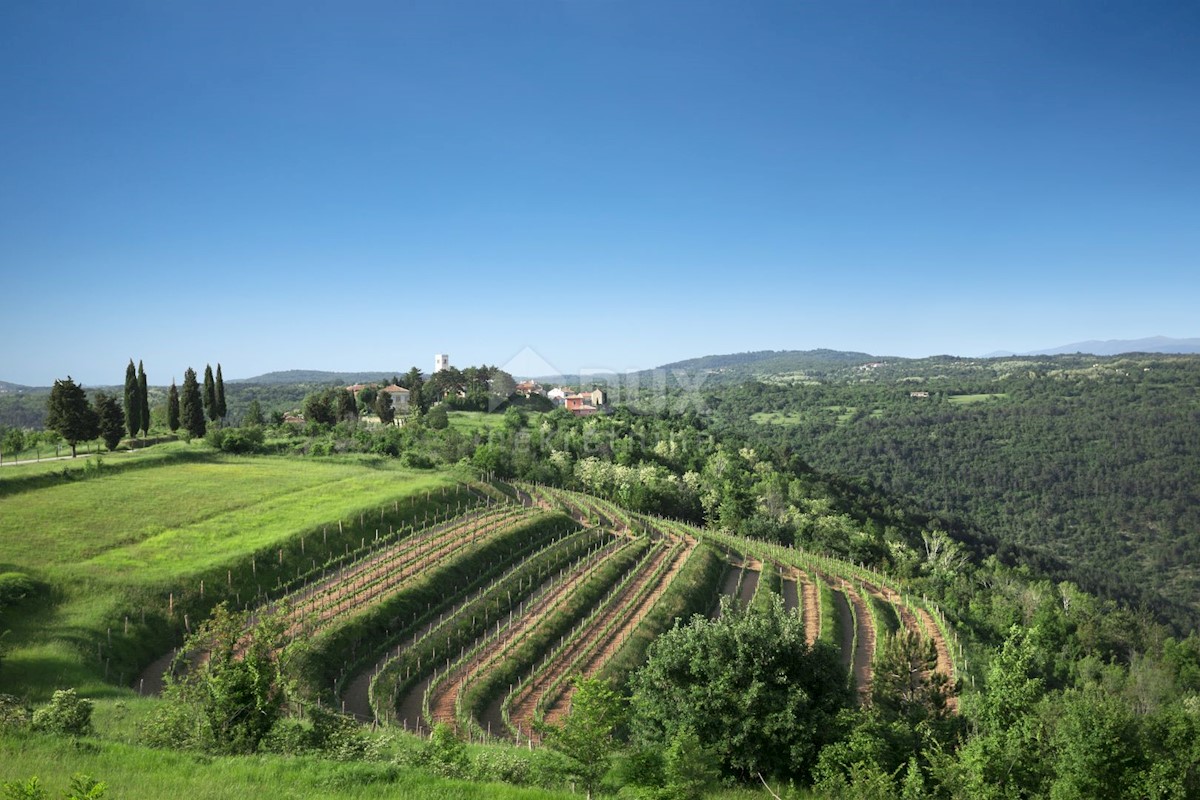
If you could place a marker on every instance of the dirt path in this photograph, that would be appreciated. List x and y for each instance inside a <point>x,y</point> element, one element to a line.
<point>945,664</point>
<point>864,649</point>
<point>922,624</point>
<point>788,587</point>
<point>812,607</point>
<point>841,607</point>
<point>750,578</point>
<point>524,706</point>
<point>729,587</point>
<point>616,640</point>
<point>442,702</point>
<point>360,583</point>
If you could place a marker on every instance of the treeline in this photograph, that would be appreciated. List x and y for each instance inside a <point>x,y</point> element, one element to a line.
<point>1095,470</point>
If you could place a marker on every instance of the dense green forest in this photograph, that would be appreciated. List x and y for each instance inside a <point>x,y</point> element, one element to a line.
<point>1091,471</point>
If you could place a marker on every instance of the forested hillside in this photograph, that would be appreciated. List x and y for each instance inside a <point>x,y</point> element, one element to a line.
<point>1094,467</point>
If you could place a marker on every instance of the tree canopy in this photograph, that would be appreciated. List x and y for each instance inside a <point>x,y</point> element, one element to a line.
<point>748,686</point>
<point>69,413</point>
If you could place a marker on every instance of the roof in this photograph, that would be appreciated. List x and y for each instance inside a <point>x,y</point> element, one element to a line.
<point>394,389</point>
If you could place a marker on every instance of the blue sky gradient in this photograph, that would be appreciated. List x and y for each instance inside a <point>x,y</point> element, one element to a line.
<point>614,184</point>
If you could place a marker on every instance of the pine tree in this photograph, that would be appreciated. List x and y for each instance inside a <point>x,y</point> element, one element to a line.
<point>110,420</point>
<point>143,400</point>
<point>69,413</point>
<point>210,393</point>
<point>133,413</point>
<point>220,394</point>
<point>191,406</point>
<point>173,407</point>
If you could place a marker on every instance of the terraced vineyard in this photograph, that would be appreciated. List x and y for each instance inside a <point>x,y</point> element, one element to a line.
<point>481,619</point>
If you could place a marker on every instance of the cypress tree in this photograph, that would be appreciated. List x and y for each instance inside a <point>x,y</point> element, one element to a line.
<point>110,418</point>
<point>133,408</point>
<point>173,407</point>
<point>143,400</point>
<point>191,405</point>
<point>210,393</point>
<point>220,394</point>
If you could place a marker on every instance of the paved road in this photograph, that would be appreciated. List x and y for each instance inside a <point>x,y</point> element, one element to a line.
<point>68,457</point>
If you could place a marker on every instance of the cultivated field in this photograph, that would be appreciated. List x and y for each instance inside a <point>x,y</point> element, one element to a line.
<point>421,597</point>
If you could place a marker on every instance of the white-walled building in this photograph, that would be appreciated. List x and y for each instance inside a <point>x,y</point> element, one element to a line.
<point>441,361</point>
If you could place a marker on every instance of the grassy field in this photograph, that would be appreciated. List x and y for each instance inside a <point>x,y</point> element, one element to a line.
<point>469,422</point>
<point>131,771</point>
<point>965,399</point>
<point>99,541</point>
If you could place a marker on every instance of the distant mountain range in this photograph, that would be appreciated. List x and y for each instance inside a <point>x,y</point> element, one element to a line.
<point>293,376</point>
<point>1113,347</point>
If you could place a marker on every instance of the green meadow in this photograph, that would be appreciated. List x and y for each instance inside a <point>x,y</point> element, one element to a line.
<point>100,542</point>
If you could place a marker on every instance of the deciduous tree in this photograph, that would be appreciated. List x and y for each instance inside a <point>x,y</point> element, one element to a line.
<point>586,739</point>
<point>750,688</point>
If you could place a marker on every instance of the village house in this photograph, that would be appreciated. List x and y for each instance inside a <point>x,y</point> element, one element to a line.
<point>528,388</point>
<point>399,398</point>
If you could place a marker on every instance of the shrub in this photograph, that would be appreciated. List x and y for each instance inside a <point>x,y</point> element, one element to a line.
<point>416,460</point>
<point>501,765</point>
<point>444,753</point>
<point>14,587</point>
<point>66,713</point>
<point>14,713</point>
<point>242,440</point>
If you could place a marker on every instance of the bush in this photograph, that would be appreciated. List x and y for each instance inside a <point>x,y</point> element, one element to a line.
<point>501,765</point>
<point>14,587</point>
<point>15,715</point>
<point>444,753</point>
<point>242,440</point>
<point>66,713</point>
<point>416,460</point>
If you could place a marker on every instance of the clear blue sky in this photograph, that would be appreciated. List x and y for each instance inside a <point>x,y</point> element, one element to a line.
<point>613,184</point>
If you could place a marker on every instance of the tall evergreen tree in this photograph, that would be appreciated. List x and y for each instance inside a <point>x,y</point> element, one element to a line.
<point>143,400</point>
<point>346,407</point>
<point>133,412</point>
<point>110,420</point>
<point>191,406</point>
<point>220,394</point>
<point>210,393</point>
<point>383,407</point>
<point>173,407</point>
<point>69,413</point>
<point>415,383</point>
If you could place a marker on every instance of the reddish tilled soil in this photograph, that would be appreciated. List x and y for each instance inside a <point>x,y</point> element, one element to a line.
<point>812,608</point>
<point>925,627</point>
<point>441,704</point>
<point>614,640</point>
<point>864,650</point>
<point>358,585</point>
